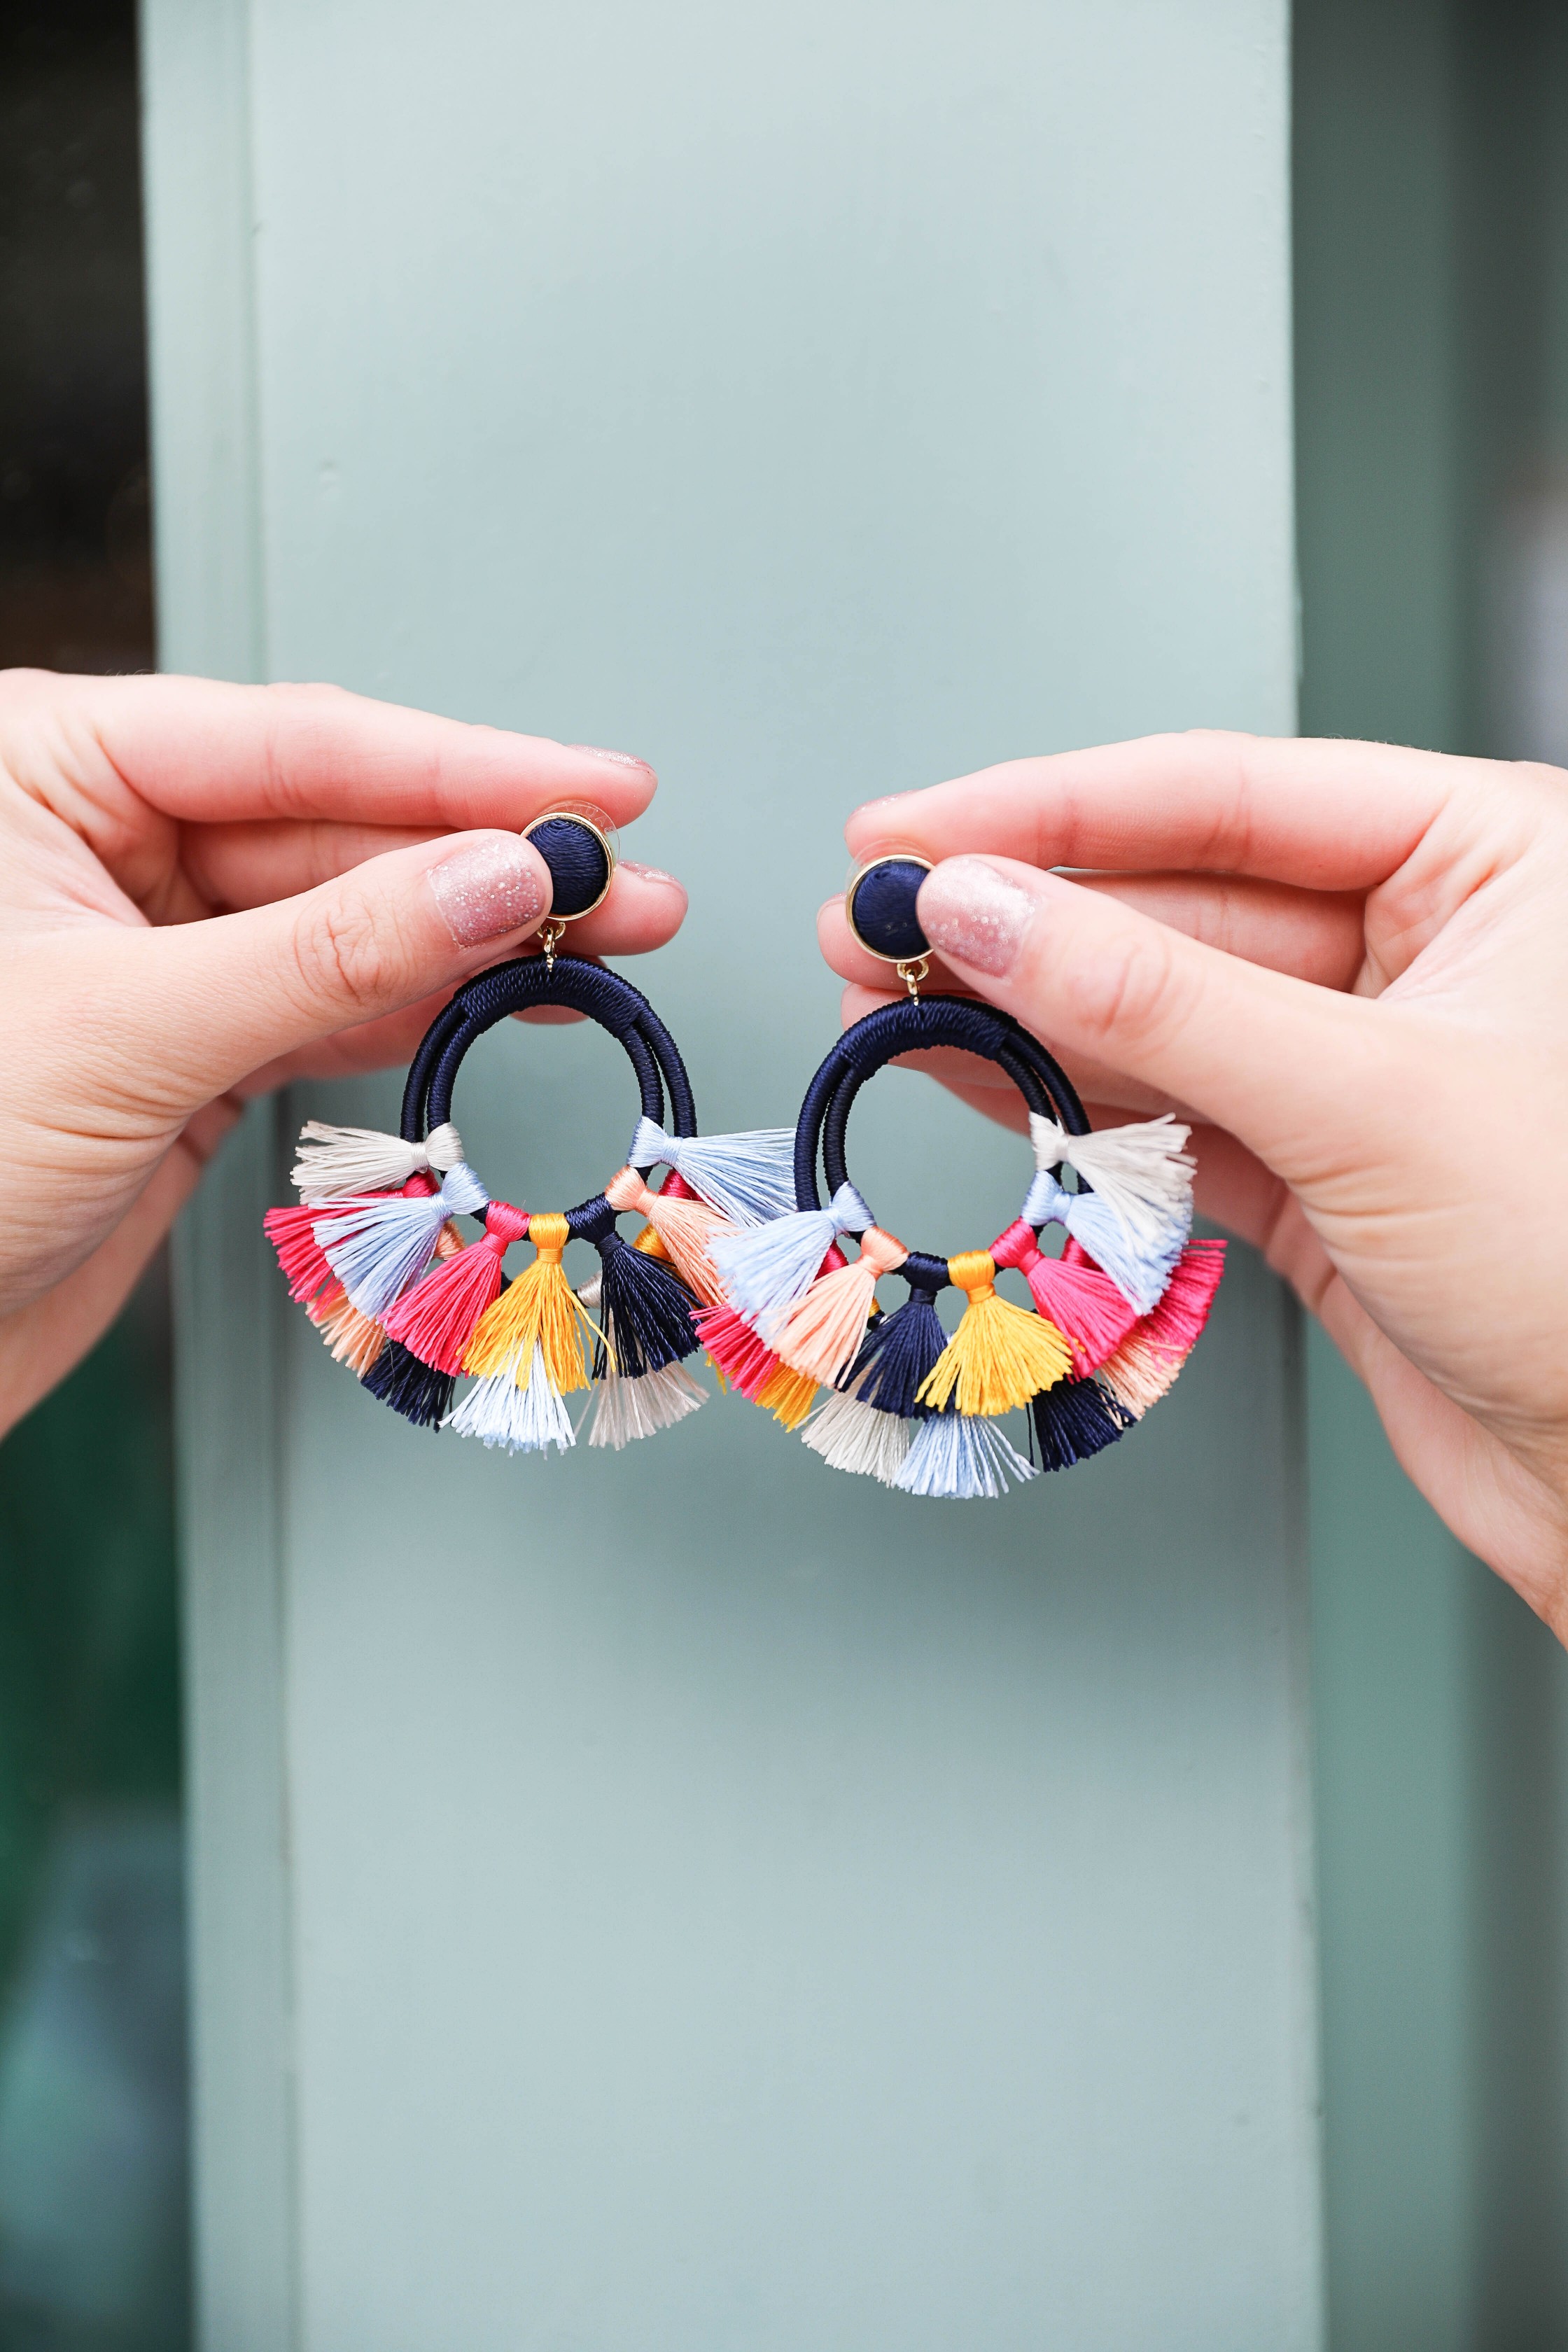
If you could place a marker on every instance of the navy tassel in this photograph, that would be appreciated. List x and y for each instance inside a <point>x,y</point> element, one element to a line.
<point>1075,1419</point>
<point>417,1390</point>
<point>896,1355</point>
<point>649,1309</point>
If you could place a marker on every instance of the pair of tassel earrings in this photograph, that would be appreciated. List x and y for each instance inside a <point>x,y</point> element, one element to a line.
<point>738,1256</point>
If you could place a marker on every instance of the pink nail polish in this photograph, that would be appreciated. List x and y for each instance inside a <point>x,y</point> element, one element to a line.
<point>973,913</point>
<point>617,759</point>
<point>488,889</point>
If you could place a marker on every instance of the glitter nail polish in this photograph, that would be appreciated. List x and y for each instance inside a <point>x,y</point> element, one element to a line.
<point>617,759</point>
<point>973,913</point>
<point>488,889</point>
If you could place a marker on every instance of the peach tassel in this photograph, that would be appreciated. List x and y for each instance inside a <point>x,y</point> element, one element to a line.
<point>687,1229</point>
<point>822,1332</point>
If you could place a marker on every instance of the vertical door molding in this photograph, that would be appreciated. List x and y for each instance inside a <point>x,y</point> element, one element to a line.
<point>205,458</point>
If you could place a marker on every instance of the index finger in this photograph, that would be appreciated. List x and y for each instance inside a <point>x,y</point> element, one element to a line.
<point>198,751</point>
<point>1323,815</point>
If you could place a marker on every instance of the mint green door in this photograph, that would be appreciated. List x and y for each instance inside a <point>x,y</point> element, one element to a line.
<point>687,1902</point>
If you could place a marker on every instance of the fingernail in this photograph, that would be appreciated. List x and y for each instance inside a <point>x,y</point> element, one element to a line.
<point>490,888</point>
<point>653,874</point>
<point>975,914</point>
<point>617,759</point>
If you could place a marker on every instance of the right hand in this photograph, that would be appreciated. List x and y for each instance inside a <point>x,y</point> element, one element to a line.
<point>1347,965</point>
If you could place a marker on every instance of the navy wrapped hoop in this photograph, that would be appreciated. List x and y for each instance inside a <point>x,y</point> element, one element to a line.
<point>911,1027</point>
<point>907,1403</point>
<point>576,985</point>
<point>372,1254</point>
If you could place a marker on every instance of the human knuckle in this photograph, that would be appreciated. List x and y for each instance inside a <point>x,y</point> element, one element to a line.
<point>344,950</point>
<point>1126,992</point>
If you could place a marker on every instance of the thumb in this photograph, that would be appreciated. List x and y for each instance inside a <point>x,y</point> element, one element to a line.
<point>227,995</point>
<point>1255,1051</point>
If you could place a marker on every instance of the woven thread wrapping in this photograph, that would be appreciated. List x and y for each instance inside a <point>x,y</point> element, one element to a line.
<point>579,986</point>
<point>914,1026</point>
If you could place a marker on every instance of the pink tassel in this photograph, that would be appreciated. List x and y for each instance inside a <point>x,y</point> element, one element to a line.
<point>1178,1320</point>
<point>1071,1292</point>
<point>436,1319</point>
<point>686,1227</point>
<point>743,1359</point>
<point>292,1233</point>
<point>821,1334</point>
<point>1146,1365</point>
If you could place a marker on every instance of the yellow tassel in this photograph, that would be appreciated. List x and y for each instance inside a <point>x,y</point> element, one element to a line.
<point>788,1396</point>
<point>649,1242</point>
<point>540,1305</point>
<point>1000,1355</point>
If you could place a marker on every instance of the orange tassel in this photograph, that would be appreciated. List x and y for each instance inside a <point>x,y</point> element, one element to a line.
<point>541,1317</point>
<point>788,1396</point>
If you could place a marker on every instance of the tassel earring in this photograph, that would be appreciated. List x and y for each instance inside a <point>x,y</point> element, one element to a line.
<point>899,1398</point>
<point>428,1320</point>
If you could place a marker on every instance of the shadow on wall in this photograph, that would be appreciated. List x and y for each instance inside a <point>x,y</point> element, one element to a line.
<point>1431,268</point>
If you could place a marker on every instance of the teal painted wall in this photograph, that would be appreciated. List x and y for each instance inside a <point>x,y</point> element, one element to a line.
<point>701,1903</point>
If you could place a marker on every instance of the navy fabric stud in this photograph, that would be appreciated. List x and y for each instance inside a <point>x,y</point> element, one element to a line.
<point>882,910</point>
<point>578,862</point>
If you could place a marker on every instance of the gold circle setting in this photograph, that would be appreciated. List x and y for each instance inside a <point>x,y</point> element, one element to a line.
<point>576,816</point>
<point>889,858</point>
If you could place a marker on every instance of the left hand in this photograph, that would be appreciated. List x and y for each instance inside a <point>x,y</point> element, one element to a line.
<point>208,891</point>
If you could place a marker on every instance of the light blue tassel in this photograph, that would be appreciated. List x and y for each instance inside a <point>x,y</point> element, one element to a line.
<point>958,1455</point>
<point>379,1249</point>
<point>1140,1267</point>
<point>520,1421</point>
<point>750,1177</point>
<point>766,1270</point>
